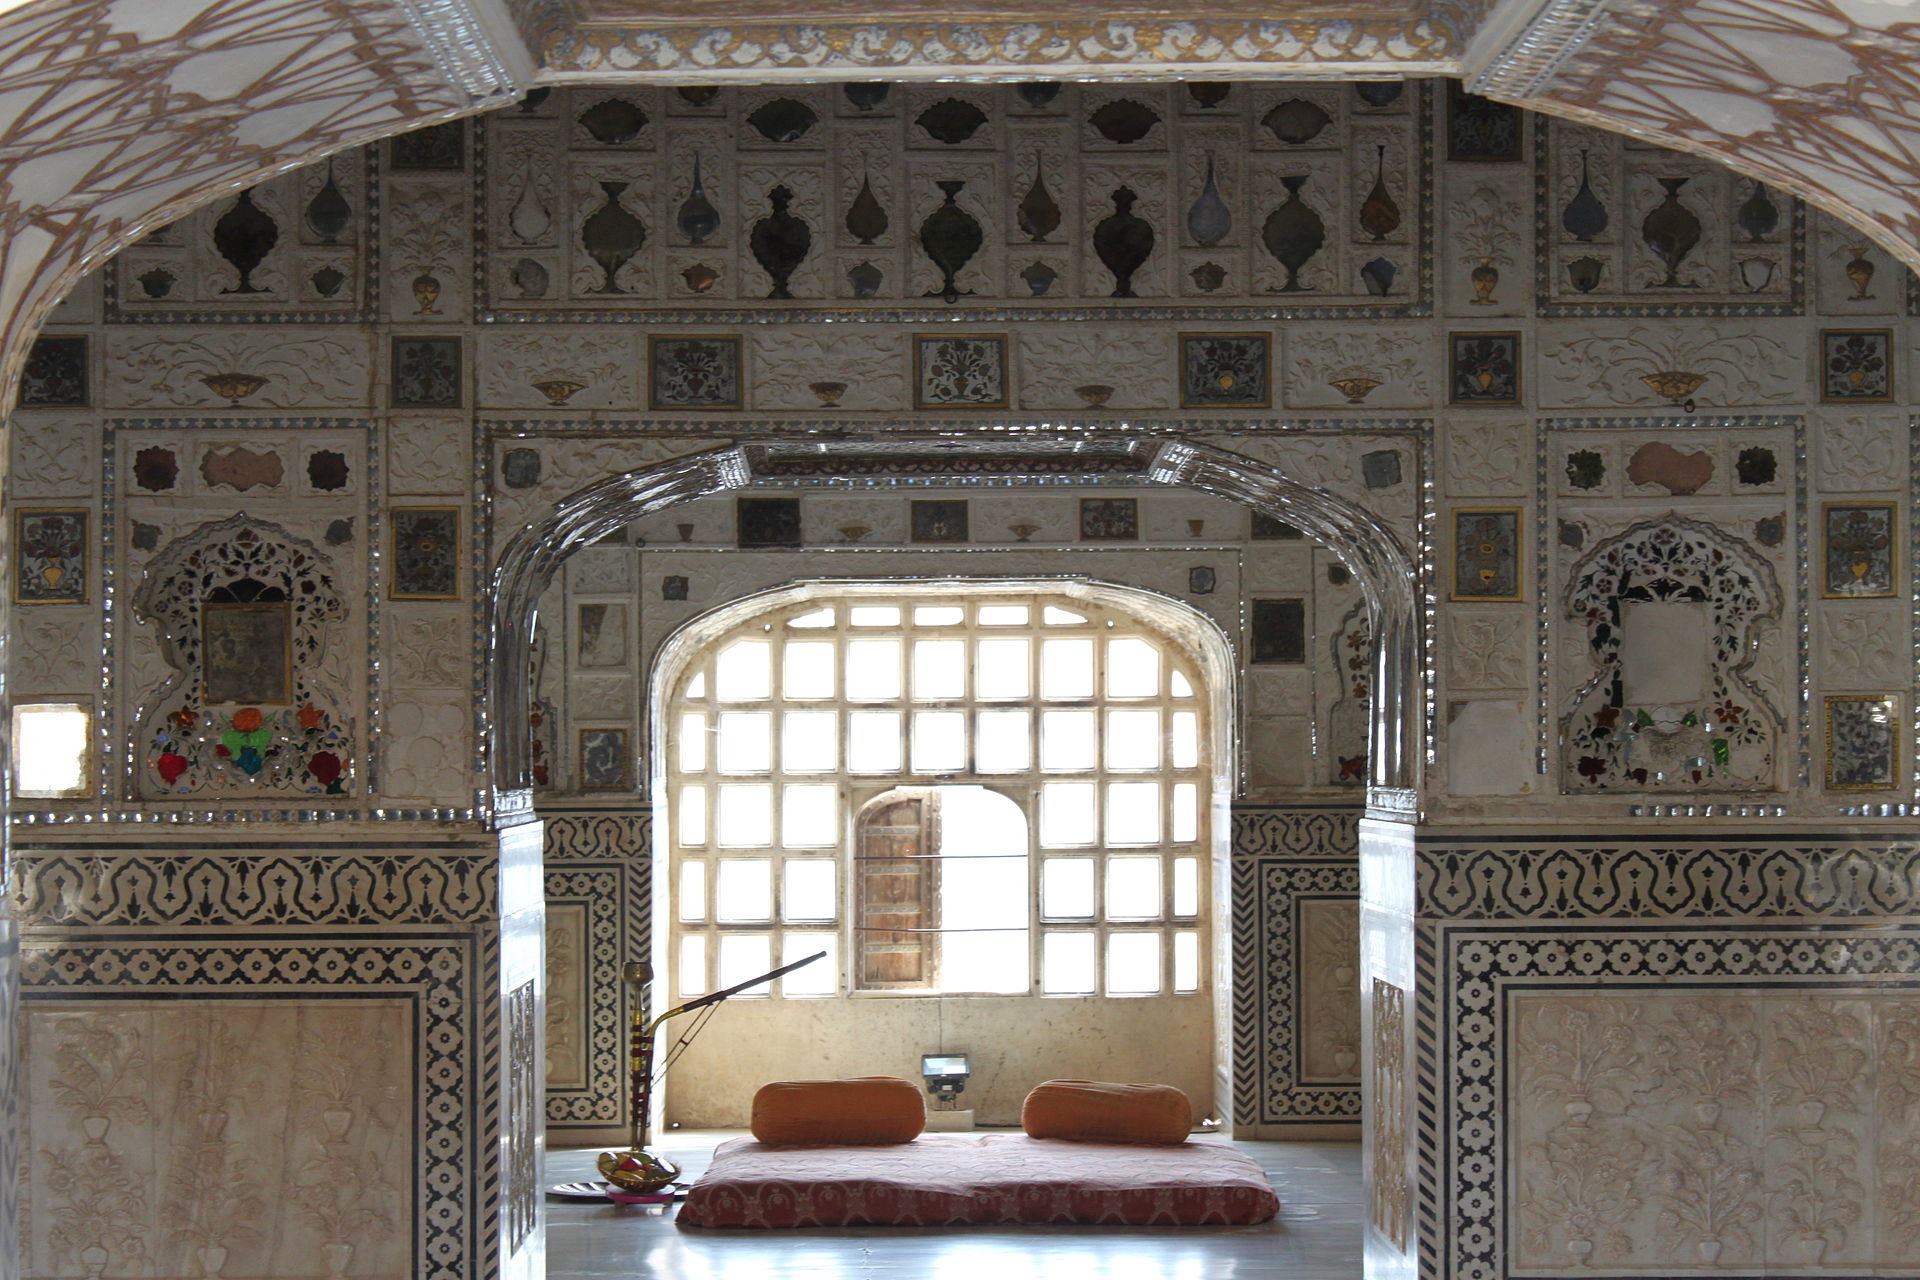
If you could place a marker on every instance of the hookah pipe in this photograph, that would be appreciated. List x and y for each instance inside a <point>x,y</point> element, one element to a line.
<point>638,1171</point>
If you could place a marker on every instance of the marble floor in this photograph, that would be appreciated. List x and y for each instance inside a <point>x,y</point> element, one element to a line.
<point>1316,1237</point>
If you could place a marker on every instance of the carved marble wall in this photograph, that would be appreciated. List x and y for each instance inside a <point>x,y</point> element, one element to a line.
<point>1574,354</point>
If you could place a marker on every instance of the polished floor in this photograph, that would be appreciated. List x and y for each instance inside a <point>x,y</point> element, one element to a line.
<point>1316,1237</point>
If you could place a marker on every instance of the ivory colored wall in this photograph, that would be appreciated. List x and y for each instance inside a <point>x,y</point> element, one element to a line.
<point>1548,403</point>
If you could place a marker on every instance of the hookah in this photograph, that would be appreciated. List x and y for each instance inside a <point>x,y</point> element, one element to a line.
<point>638,1172</point>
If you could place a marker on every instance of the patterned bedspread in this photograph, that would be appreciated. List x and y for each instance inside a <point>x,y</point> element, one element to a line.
<point>947,1179</point>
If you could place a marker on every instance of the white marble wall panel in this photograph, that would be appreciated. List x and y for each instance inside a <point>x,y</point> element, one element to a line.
<point>1715,1130</point>
<point>264,1136</point>
<point>167,368</point>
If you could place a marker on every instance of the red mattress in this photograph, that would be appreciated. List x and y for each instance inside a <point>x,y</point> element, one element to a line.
<point>942,1180</point>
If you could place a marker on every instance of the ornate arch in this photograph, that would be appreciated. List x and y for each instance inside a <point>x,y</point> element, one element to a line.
<point>1382,568</point>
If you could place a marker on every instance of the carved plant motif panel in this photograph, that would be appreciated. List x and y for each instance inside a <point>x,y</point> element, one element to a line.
<point>1329,991</point>
<point>241,607</point>
<point>1387,1207</point>
<point>1715,1129</point>
<point>594,200</point>
<point>1675,612</point>
<point>197,1109</point>
<point>301,246</point>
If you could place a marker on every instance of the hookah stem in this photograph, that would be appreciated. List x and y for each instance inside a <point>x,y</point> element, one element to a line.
<point>641,1060</point>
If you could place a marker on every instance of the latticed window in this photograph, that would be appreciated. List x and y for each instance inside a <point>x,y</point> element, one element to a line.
<point>946,792</point>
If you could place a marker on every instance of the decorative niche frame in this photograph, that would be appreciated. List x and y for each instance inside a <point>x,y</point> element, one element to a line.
<point>243,611</point>
<point>1672,608</point>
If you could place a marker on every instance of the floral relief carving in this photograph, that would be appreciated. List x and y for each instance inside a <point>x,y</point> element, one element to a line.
<point>566,1015</point>
<point>604,368</point>
<point>1750,366</point>
<point>1861,650</point>
<point>1056,361</point>
<point>431,648</point>
<point>786,365</point>
<point>1860,452</point>
<point>1485,226</point>
<point>1486,459</point>
<point>426,456</point>
<point>54,651</point>
<point>299,371</point>
<point>1387,1091</point>
<point>1819,1096</point>
<point>427,749</point>
<point>52,457</point>
<point>1330,991</point>
<point>1486,650</point>
<point>1400,360</point>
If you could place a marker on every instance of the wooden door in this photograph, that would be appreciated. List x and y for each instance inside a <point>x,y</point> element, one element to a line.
<point>896,870</point>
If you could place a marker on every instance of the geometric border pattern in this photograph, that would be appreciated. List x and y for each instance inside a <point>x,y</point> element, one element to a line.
<point>1479,969</point>
<point>437,973</point>
<point>601,862</point>
<point>1284,856</point>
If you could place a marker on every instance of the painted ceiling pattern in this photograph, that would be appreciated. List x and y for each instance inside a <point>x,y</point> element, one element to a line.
<point>117,119</point>
<point>1809,95</point>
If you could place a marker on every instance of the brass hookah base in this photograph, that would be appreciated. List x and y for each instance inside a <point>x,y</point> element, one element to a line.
<point>638,1171</point>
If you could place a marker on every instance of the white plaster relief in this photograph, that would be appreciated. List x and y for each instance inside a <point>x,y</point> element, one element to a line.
<point>1860,451</point>
<point>1489,238</point>
<point>603,365</point>
<point>427,456</point>
<point>1715,1131</point>
<point>428,748</point>
<point>53,456</point>
<point>428,249</point>
<point>603,697</point>
<point>1399,359</point>
<point>1330,990</point>
<point>600,570</point>
<point>567,1012</point>
<point>54,650</point>
<point>431,646</point>
<point>1487,648</point>
<point>1757,362</point>
<point>1862,648</point>
<point>1488,458</point>
<point>786,364</point>
<point>194,1111</point>
<point>307,371</point>
<point>1055,362</point>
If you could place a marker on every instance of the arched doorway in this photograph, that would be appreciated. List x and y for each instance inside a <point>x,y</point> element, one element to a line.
<point>999,806</point>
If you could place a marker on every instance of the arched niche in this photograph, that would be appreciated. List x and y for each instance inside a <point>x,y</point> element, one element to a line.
<point>1381,566</point>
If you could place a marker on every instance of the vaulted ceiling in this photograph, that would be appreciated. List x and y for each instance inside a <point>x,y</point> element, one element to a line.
<point>118,115</point>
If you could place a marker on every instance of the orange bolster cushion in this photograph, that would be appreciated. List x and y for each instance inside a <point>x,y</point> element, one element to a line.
<point>1096,1111</point>
<point>870,1111</point>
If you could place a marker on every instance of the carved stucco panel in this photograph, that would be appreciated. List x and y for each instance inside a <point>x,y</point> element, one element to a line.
<point>1055,361</point>
<point>1330,990</point>
<point>54,650</point>
<point>1488,228</point>
<point>1862,647</point>
<point>1487,648</point>
<point>875,365</point>
<point>53,456</point>
<point>1488,457</point>
<point>602,365</point>
<point>430,646</point>
<point>1399,359</point>
<point>1711,1130</point>
<point>1860,450</point>
<point>600,570</point>
<point>428,456</point>
<point>191,1107</point>
<point>428,748</point>
<point>1746,362</point>
<point>166,369</point>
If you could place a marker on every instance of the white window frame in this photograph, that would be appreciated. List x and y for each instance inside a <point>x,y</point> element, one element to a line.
<point>1187,642</point>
